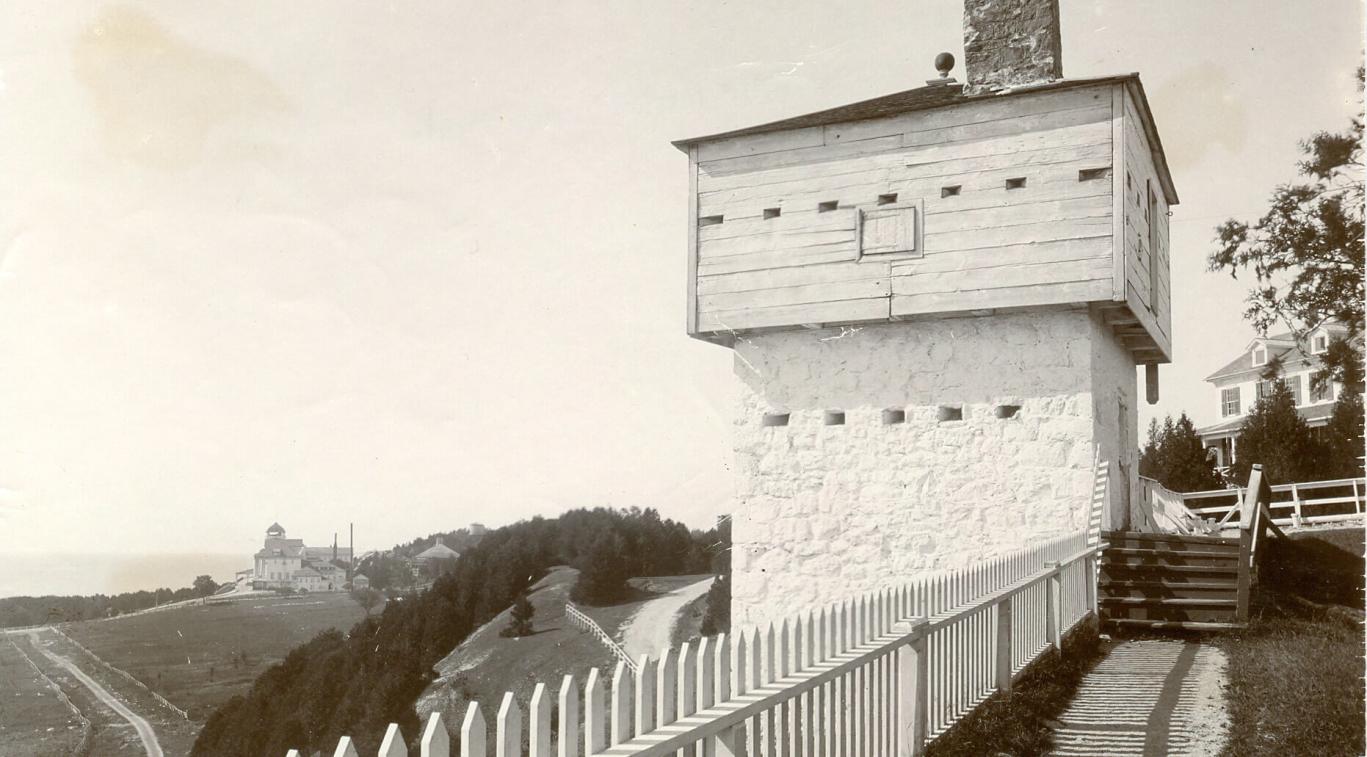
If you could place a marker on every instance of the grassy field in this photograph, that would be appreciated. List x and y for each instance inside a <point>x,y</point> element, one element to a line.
<point>199,656</point>
<point>33,718</point>
<point>1296,673</point>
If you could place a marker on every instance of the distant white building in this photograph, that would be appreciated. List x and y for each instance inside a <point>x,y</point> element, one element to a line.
<point>284,563</point>
<point>1239,384</point>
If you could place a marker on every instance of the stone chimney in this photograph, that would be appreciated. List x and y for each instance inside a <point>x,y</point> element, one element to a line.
<point>1008,43</point>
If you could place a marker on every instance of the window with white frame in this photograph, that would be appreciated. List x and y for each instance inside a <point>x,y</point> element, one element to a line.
<point>1319,344</point>
<point>1294,385</point>
<point>1264,388</point>
<point>1322,393</point>
<point>1260,356</point>
<point>1229,401</point>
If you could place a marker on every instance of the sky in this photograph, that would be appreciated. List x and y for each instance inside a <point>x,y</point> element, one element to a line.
<point>416,265</point>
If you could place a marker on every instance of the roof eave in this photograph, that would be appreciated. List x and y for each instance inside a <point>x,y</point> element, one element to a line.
<point>782,124</point>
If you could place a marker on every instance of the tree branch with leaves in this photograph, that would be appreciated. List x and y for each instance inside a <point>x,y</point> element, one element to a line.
<point>1305,255</point>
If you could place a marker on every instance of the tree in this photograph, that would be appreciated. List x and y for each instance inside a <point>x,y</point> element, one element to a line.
<point>204,586</point>
<point>1343,443</point>
<point>521,623</point>
<point>367,598</point>
<point>1175,457</point>
<point>1276,436</point>
<point>602,571</point>
<point>1306,252</point>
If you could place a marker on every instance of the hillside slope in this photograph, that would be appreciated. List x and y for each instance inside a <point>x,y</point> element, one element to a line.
<point>486,665</point>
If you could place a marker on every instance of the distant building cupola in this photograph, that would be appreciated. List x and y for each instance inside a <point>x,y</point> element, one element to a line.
<point>1009,43</point>
<point>275,530</point>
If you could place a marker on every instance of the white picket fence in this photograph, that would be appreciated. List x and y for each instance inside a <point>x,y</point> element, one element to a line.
<point>877,675</point>
<point>584,623</point>
<point>1292,504</point>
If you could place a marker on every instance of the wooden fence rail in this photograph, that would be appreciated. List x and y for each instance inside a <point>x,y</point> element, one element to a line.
<point>1292,504</point>
<point>880,674</point>
<point>584,623</point>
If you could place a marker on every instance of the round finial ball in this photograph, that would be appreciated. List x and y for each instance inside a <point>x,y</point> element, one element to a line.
<point>944,62</point>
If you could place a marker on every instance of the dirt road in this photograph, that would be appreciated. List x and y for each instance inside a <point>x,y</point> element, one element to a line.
<point>649,630</point>
<point>144,729</point>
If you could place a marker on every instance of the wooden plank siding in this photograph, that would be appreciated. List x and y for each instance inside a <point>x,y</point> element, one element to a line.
<point>804,264</point>
<point>1152,308</point>
<point>787,253</point>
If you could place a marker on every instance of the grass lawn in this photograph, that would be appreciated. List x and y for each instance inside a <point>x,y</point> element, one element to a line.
<point>1296,673</point>
<point>33,718</point>
<point>200,656</point>
<point>1022,723</point>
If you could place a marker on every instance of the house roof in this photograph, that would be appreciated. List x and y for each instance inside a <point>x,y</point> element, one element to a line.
<point>438,551</point>
<point>276,528</point>
<point>1281,346</point>
<point>1315,415</point>
<point>943,95</point>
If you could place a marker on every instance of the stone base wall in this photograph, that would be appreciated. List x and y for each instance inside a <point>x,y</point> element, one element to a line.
<point>825,511</point>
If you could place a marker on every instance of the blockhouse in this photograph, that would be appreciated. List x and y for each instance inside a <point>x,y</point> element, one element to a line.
<point>937,300</point>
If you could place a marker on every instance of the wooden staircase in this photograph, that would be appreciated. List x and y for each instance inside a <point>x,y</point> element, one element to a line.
<point>1169,581</point>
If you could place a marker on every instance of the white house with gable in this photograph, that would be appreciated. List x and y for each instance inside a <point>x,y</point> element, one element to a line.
<point>1239,384</point>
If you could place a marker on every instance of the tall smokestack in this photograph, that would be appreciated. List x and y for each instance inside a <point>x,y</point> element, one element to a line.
<point>1008,43</point>
<point>351,561</point>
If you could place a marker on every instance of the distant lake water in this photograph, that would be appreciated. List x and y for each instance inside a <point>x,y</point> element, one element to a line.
<point>62,574</point>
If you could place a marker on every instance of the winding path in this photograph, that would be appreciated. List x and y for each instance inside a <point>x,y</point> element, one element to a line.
<point>144,729</point>
<point>650,629</point>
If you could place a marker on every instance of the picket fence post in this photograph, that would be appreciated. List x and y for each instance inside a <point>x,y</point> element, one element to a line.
<point>594,717</point>
<point>913,678</point>
<point>472,742</point>
<point>1004,646</point>
<point>1052,596</point>
<point>539,723</point>
<point>645,696</point>
<point>392,745</point>
<point>509,723</point>
<point>345,748</point>
<point>569,718</point>
<point>436,742</point>
<point>621,704</point>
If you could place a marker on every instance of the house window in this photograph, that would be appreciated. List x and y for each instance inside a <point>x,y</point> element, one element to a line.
<point>1322,393</point>
<point>1319,344</point>
<point>1294,384</point>
<point>1260,358</point>
<point>1264,389</point>
<point>1229,401</point>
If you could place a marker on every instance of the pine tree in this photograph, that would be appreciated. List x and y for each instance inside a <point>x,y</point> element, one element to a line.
<point>1276,436</point>
<point>521,623</point>
<point>1343,435</point>
<point>1175,457</point>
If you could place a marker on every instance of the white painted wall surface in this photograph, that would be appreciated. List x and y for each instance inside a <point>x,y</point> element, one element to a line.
<point>823,512</point>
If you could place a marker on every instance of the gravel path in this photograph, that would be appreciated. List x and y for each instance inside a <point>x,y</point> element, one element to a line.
<point>144,729</point>
<point>649,630</point>
<point>1149,698</point>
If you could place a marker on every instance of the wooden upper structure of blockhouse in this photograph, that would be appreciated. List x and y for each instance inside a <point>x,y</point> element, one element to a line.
<point>996,195</point>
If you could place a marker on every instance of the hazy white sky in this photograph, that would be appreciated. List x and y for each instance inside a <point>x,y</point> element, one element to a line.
<point>422,264</point>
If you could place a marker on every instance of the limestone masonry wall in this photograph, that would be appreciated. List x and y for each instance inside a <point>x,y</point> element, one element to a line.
<point>825,511</point>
